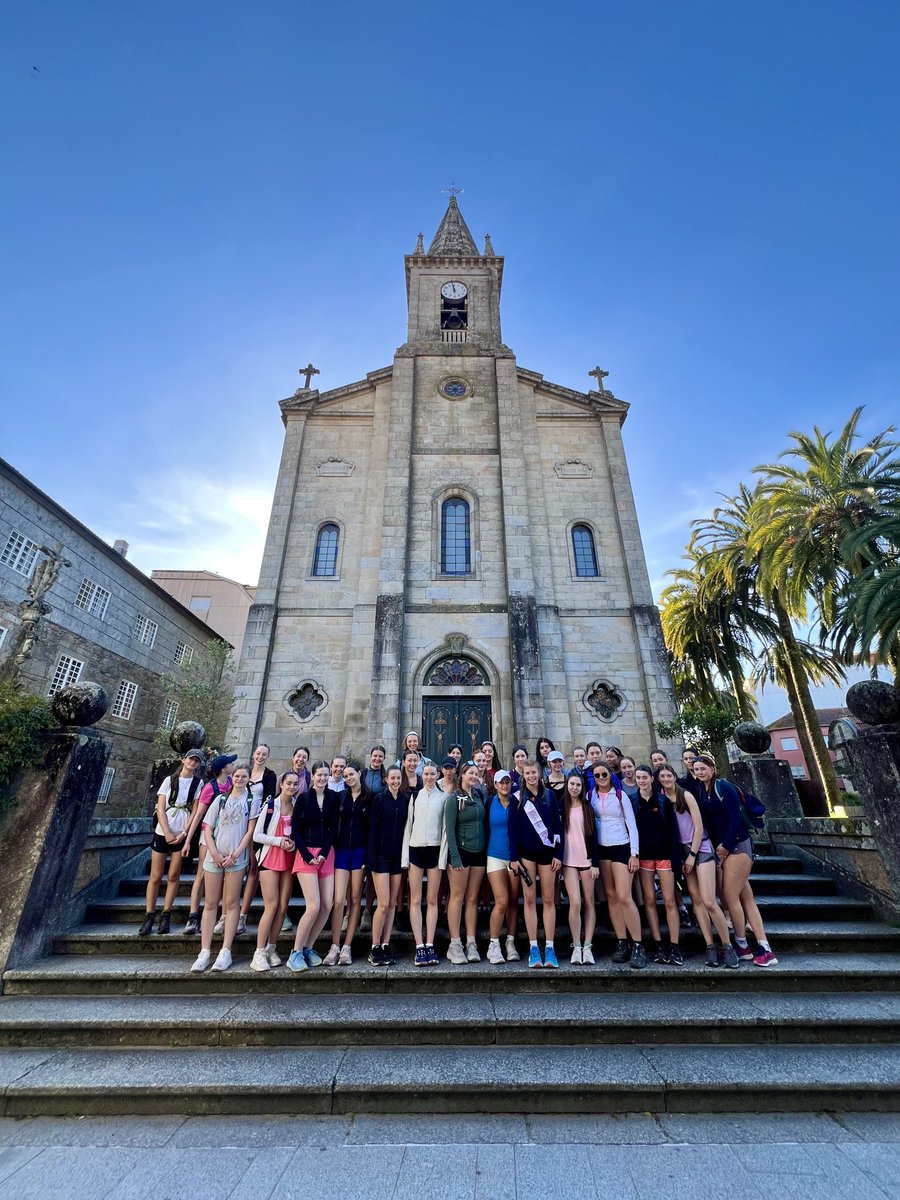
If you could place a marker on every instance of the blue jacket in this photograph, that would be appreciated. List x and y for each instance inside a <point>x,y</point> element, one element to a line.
<point>723,815</point>
<point>523,837</point>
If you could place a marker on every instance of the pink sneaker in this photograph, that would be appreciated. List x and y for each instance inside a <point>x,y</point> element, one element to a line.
<point>765,958</point>
<point>745,954</point>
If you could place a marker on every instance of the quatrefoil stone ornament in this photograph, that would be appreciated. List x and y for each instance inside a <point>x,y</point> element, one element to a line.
<point>305,701</point>
<point>604,700</point>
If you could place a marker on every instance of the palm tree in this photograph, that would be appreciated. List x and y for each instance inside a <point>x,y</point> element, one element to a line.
<point>872,618</point>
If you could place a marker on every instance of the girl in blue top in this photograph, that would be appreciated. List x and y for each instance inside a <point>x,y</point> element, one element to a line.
<point>535,841</point>
<point>504,884</point>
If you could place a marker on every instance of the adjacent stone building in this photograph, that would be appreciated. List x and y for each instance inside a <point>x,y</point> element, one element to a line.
<point>74,608</point>
<point>453,548</point>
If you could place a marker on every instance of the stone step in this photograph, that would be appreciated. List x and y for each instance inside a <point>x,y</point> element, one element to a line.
<point>441,1079</point>
<point>787,936</point>
<point>138,974</point>
<point>773,908</point>
<point>554,1018</point>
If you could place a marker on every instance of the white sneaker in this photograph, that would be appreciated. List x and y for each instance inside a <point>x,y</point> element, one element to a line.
<point>576,959</point>
<point>495,954</point>
<point>272,957</point>
<point>201,962</point>
<point>456,954</point>
<point>587,956</point>
<point>472,954</point>
<point>512,954</point>
<point>345,958</point>
<point>330,959</point>
<point>223,961</point>
<point>242,923</point>
<point>219,926</point>
<point>259,962</point>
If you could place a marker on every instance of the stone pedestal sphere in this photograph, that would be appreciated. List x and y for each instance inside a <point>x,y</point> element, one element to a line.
<point>80,704</point>
<point>187,735</point>
<point>874,702</point>
<point>752,738</point>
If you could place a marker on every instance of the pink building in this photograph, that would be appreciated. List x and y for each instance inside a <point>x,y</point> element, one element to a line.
<point>786,740</point>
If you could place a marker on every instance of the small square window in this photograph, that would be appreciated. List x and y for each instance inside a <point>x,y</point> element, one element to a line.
<point>20,553</point>
<point>92,598</point>
<point>145,631</point>
<point>123,705</point>
<point>68,670</point>
<point>788,743</point>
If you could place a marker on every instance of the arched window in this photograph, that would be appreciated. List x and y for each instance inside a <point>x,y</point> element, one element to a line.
<point>325,561</point>
<point>456,542</point>
<point>585,554</point>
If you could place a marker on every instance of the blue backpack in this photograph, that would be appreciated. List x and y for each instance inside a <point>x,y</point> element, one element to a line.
<point>752,808</point>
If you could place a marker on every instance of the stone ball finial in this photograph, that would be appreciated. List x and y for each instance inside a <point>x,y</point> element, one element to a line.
<point>187,735</point>
<point>80,704</point>
<point>752,738</point>
<point>874,702</point>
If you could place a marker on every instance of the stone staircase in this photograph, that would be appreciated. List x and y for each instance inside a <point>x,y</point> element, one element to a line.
<point>110,1023</point>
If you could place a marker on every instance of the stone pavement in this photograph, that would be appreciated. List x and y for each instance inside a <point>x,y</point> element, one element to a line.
<point>805,1155</point>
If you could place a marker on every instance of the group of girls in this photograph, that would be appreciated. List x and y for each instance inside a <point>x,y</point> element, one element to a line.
<point>447,828</point>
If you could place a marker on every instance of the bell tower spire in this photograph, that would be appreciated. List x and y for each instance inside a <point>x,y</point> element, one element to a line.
<point>453,236</point>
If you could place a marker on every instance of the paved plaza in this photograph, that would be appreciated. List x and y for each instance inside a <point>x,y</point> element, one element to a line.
<point>778,1157</point>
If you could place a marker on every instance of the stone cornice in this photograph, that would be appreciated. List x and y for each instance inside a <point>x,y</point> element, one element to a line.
<point>465,262</point>
<point>596,403</point>
<point>304,400</point>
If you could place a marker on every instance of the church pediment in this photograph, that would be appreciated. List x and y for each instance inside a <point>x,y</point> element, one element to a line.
<point>552,399</point>
<point>351,399</point>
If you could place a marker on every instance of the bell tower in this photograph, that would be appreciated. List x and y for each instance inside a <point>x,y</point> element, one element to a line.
<point>452,291</point>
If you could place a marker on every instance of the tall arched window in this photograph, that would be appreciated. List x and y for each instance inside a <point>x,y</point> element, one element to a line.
<point>325,561</point>
<point>456,541</point>
<point>585,554</point>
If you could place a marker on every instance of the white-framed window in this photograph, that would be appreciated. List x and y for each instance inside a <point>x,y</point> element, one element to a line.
<point>106,786</point>
<point>200,604</point>
<point>170,716</point>
<point>184,654</point>
<point>68,670</point>
<point>20,553</point>
<point>92,598</point>
<point>123,705</point>
<point>3,632</point>
<point>145,631</point>
<point>788,743</point>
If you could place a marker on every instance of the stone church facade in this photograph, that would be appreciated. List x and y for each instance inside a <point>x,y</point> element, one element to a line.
<point>453,548</point>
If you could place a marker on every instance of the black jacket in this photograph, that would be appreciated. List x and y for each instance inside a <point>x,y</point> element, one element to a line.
<point>353,821</point>
<point>312,827</point>
<point>387,823</point>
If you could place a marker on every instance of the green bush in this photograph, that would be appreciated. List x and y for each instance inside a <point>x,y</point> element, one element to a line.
<point>24,721</point>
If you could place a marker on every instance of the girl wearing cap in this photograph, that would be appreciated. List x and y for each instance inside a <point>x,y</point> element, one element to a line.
<point>275,857</point>
<point>556,776</point>
<point>228,827</point>
<point>219,781</point>
<point>581,867</point>
<point>535,837</point>
<point>504,884</point>
<point>421,854</point>
<point>618,837</point>
<point>385,856</point>
<point>448,782</point>
<point>313,830</point>
<point>172,834</point>
<point>466,850</point>
<point>723,815</point>
<point>350,845</point>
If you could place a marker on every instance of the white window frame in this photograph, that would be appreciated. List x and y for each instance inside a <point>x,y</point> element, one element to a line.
<point>68,670</point>
<point>790,749</point>
<point>3,632</point>
<point>123,705</point>
<point>170,715</point>
<point>106,785</point>
<point>184,654</point>
<point>92,598</point>
<point>20,554</point>
<point>145,631</point>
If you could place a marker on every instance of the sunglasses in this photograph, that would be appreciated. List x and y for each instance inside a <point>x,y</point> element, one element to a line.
<point>601,774</point>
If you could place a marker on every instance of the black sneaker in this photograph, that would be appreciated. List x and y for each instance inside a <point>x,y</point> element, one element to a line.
<point>712,958</point>
<point>660,955</point>
<point>147,925</point>
<point>387,959</point>
<point>376,957</point>
<point>685,917</point>
<point>165,923</point>
<point>676,958</point>
<point>620,954</point>
<point>638,957</point>
<point>431,958</point>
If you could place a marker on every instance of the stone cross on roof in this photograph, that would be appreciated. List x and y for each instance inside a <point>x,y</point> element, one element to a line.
<point>309,370</point>
<point>599,375</point>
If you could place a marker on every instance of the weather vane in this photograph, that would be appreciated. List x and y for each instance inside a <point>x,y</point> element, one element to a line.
<point>453,191</point>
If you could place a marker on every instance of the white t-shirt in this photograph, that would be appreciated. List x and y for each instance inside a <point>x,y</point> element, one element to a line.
<point>616,825</point>
<point>230,827</point>
<point>178,811</point>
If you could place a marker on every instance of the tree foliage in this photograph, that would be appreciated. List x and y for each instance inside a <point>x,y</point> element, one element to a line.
<point>202,689</point>
<point>24,722</point>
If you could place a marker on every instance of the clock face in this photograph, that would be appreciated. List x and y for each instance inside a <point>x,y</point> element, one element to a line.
<point>454,291</point>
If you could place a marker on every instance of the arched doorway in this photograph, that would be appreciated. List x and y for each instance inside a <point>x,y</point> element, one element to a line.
<point>456,706</point>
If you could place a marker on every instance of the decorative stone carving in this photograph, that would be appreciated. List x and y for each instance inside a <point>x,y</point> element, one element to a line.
<point>874,702</point>
<point>187,735</point>
<point>752,738</point>
<point>80,704</point>
<point>305,701</point>
<point>456,672</point>
<point>334,466</point>
<point>573,468</point>
<point>456,642</point>
<point>604,700</point>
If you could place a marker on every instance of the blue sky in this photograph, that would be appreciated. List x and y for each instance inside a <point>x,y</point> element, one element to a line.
<point>200,197</point>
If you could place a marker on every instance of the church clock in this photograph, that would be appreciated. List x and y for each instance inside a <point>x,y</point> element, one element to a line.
<point>454,291</point>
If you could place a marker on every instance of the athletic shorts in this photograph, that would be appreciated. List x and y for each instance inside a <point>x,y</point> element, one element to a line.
<point>703,856</point>
<point>744,847</point>
<point>496,864</point>
<point>161,846</point>
<point>210,867</point>
<point>543,857</point>
<point>619,854</point>
<point>302,867</point>
<point>424,857</point>
<point>350,860</point>
<point>470,859</point>
<point>656,864</point>
<point>386,866</point>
